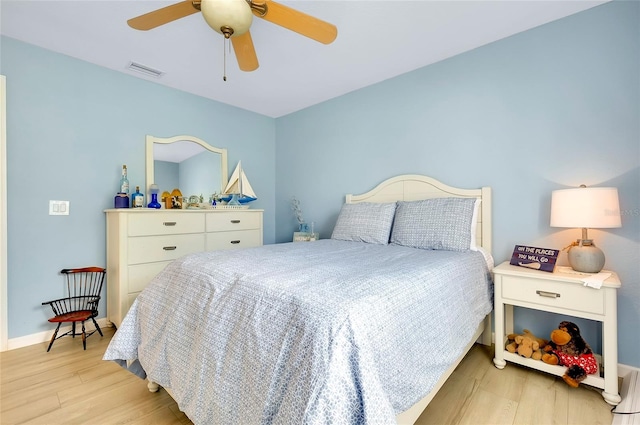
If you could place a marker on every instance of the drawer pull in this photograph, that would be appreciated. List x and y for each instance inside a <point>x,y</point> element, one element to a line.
<point>169,223</point>
<point>169,248</point>
<point>235,242</point>
<point>548,294</point>
<point>235,221</point>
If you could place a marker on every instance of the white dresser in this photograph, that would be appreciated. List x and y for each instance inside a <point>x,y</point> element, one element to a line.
<point>141,242</point>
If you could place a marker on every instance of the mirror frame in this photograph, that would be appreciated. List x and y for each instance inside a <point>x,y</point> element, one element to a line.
<point>150,140</point>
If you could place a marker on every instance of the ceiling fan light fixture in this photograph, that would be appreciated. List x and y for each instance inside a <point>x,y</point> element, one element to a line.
<point>224,14</point>
<point>233,18</point>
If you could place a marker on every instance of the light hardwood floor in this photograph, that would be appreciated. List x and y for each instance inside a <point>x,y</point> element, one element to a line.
<point>479,393</point>
<point>72,386</point>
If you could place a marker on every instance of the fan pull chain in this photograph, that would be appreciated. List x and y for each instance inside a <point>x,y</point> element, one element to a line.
<point>224,60</point>
<point>227,31</point>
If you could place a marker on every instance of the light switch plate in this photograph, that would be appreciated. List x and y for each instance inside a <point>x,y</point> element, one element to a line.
<point>58,207</point>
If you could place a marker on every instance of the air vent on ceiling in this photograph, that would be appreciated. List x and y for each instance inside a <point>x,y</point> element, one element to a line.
<point>134,66</point>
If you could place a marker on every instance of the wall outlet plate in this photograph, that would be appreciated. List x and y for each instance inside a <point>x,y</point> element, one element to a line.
<point>58,207</point>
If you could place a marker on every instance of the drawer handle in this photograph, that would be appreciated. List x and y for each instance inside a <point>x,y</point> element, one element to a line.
<point>235,242</point>
<point>169,223</point>
<point>169,248</point>
<point>235,221</point>
<point>548,294</point>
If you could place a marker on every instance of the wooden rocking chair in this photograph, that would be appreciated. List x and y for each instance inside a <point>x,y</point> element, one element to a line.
<point>83,289</point>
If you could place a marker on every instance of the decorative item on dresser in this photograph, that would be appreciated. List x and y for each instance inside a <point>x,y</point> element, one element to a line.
<point>238,191</point>
<point>141,242</point>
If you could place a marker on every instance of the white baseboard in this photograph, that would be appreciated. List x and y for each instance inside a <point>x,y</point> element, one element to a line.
<point>624,370</point>
<point>40,337</point>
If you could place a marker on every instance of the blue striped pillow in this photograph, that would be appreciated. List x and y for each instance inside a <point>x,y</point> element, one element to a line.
<point>365,222</point>
<point>439,223</point>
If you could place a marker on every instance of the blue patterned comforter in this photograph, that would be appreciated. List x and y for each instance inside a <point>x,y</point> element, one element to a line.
<point>327,332</point>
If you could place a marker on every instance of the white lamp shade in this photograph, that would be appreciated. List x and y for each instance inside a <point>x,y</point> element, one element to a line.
<point>235,14</point>
<point>585,207</point>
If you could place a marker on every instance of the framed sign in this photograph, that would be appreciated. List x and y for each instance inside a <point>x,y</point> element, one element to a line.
<point>534,258</point>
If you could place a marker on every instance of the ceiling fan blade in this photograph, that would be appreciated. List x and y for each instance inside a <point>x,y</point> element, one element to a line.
<point>163,16</point>
<point>245,52</point>
<point>295,20</point>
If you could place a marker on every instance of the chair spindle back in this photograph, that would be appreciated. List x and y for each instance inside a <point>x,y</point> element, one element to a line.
<point>83,286</point>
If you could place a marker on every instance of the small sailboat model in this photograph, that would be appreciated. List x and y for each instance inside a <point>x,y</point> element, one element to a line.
<point>240,187</point>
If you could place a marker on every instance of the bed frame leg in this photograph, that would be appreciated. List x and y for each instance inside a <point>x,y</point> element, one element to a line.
<point>153,387</point>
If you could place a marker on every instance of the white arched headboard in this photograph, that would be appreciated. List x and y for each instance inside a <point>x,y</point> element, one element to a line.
<point>415,187</point>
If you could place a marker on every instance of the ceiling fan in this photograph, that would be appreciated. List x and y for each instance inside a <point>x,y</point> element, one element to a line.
<point>232,18</point>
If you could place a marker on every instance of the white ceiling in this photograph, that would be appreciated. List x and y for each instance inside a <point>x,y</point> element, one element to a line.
<point>377,40</point>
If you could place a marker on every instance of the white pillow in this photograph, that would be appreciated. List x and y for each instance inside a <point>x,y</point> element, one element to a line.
<point>365,222</point>
<point>438,223</point>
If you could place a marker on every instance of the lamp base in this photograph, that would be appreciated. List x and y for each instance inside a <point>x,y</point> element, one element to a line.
<point>585,257</point>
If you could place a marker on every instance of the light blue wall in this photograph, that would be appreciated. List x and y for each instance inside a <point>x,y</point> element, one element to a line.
<point>550,108</point>
<point>70,127</point>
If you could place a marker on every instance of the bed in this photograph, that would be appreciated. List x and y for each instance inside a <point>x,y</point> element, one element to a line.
<point>339,330</point>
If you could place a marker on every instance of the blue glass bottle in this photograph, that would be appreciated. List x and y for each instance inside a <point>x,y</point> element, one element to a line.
<point>121,200</point>
<point>137,199</point>
<point>153,189</point>
<point>124,181</point>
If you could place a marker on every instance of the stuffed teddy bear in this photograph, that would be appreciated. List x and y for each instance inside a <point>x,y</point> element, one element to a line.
<point>526,345</point>
<point>568,348</point>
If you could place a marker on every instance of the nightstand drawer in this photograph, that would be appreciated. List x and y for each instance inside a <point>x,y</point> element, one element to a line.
<point>569,296</point>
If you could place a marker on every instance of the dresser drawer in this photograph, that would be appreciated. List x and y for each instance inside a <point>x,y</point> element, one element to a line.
<point>165,223</point>
<point>569,296</point>
<point>233,220</point>
<point>141,274</point>
<point>147,249</point>
<point>233,240</point>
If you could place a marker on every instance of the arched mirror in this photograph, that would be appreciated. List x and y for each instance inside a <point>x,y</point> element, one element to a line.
<point>187,163</point>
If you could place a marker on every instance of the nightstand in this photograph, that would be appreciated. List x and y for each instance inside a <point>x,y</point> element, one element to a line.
<point>561,293</point>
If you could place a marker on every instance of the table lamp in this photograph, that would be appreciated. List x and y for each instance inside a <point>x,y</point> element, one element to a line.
<point>585,207</point>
